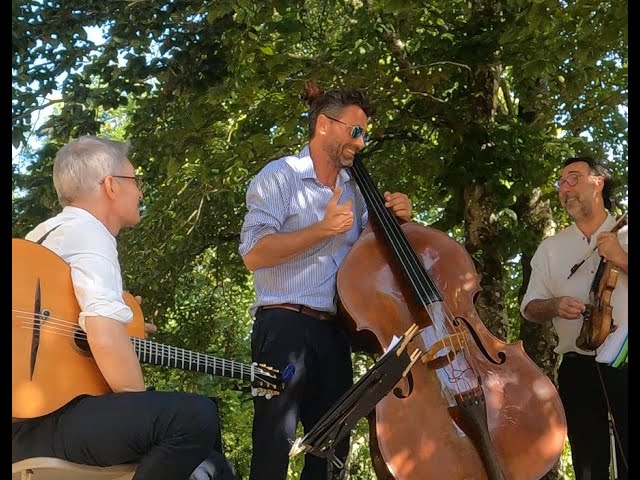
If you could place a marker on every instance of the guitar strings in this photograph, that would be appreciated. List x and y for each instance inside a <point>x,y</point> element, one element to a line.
<point>59,326</point>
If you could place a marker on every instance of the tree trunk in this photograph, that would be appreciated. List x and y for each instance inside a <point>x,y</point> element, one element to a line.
<point>482,234</point>
<point>538,340</point>
<point>481,238</point>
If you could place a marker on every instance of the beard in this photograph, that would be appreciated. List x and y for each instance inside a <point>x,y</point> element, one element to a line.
<point>336,152</point>
<point>576,208</point>
<point>345,161</point>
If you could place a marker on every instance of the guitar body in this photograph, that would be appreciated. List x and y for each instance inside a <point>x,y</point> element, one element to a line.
<point>51,362</point>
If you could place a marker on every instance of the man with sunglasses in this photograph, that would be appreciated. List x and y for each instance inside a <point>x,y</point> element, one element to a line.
<point>169,435</point>
<point>591,384</point>
<point>304,214</point>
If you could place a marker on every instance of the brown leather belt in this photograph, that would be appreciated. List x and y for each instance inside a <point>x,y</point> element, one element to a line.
<point>320,315</point>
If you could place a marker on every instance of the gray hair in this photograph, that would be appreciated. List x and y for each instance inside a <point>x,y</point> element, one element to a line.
<point>82,164</point>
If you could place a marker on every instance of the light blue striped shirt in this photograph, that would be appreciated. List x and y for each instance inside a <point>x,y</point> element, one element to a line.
<point>286,196</point>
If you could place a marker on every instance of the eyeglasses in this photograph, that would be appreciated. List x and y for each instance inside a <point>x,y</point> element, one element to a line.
<point>135,178</point>
<point>356,130</point>
<point>571,180</point>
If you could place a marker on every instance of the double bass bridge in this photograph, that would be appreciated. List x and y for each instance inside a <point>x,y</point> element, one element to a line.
<point>454,343</point>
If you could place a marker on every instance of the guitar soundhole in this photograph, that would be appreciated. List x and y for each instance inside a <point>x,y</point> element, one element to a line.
<point>80,341</point>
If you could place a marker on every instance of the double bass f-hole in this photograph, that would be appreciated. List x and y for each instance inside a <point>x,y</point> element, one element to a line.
<point>501,355</point>
<point>478,407</point>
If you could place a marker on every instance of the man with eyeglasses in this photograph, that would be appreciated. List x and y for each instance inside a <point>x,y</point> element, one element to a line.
<point>169,435</point>
<point>592,384</point>
<point>304,214</point>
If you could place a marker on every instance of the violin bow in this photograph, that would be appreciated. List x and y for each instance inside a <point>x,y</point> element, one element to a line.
<point>619,222</point>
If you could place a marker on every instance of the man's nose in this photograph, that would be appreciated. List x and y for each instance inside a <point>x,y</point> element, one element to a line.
<point>564,186</point>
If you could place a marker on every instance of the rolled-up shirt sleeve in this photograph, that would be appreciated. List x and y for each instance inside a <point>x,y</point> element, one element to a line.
<point>538,282</point>
<point>90,250</point>
<point>267,206</point>
<point>98,289</point>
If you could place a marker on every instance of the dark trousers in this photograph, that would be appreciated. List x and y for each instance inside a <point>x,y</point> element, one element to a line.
<point>167,433</point>
<point>586,410</point>
<point>321,354</point>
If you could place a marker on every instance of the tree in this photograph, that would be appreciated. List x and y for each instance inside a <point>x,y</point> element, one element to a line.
<point>478,104</point>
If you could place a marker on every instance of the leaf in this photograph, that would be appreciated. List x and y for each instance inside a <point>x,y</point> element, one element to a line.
<point>266,50</point>
<point>509,213</point>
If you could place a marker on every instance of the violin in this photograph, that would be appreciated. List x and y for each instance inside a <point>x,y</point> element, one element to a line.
<point>597,320</point>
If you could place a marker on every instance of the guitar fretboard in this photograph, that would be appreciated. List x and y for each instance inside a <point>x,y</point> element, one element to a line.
<point>166,355</point>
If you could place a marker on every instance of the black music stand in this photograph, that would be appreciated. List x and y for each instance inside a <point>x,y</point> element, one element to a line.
<point>357,402</point>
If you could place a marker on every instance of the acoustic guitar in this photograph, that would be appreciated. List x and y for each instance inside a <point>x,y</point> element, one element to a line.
<point>52,362</point>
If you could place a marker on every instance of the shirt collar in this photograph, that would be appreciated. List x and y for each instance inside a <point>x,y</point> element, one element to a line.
<point>81,212</point>
<point>77,212</point>
<point>608,223</point>
<point>606,226</point>
<point>302,164</point>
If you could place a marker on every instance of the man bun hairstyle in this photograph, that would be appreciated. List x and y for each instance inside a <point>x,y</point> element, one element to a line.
<point>332,103</point>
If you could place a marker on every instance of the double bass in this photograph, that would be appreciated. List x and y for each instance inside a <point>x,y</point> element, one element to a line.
<point>482,409</point>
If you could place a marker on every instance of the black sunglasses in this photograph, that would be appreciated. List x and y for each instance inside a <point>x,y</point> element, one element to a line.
<point>356,130</point>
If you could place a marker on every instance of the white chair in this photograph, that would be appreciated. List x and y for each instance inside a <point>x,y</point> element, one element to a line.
<point>47,468</point>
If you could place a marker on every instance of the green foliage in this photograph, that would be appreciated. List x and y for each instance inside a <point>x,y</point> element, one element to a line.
<point>468,93</point>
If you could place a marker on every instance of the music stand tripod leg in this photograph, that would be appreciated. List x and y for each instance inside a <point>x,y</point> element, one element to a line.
<point>333,461</point>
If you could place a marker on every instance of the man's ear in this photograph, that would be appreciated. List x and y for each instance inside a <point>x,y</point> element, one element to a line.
<point>110,187</point>
<point>321,124</point>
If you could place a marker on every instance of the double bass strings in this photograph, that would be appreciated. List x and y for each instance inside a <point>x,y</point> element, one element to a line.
<point>424,287</point>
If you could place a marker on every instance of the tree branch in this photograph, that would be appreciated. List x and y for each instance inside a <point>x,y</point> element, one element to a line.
<point>35,109</point>
<point>423,94</point>
<point>397,48</point>
<point>507,95</point>
<point>571,124</point>
<point>317,61</point>
<point>445,62</point>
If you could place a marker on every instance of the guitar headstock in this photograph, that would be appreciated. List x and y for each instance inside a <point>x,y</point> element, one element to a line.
<point>269,381</point>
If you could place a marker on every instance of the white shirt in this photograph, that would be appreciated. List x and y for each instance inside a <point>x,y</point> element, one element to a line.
<point>550,267</point>
<point>88,247</point>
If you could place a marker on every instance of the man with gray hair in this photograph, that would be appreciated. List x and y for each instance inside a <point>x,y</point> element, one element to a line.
<point>593,383</point>
<point>168,434</point>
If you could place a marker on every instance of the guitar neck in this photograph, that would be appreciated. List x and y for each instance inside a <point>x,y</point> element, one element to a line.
<point>155,353</point>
